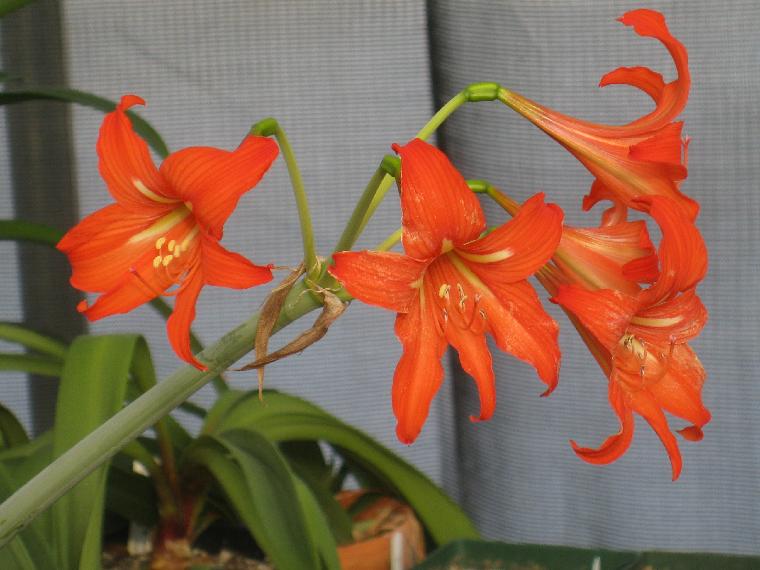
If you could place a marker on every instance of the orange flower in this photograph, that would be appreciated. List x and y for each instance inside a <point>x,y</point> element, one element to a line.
<point>645,157</point>
<point>639,339</point>
<point>165,226</point>
<point>452,285</point>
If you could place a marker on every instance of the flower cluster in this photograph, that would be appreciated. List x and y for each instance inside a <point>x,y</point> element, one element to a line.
<point>634,305</point>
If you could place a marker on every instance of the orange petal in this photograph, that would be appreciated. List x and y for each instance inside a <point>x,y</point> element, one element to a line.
<point>605,313</point>
<point>224,268</point>
<point>650,82</point>
<point>99,247</point>
<point>385,279</point>
<point>598,192</point>
<point>128,293</point>
<point>598,258</point>
<point>436,203</point>
<point>676,320</point>
<point>179,323</point>
<point>615,445</point>
<point>679,391</point>
<point>646,405</point>
<point>475,359</point>
<point>650,23</point>
<point>692,433</point>
<point>126,165</point>
<point>521,327</point>
<point>665,145</point>
<point>517,249</point>
<point>682,251</point>
<point>419,373</point>
<point>213,180</point>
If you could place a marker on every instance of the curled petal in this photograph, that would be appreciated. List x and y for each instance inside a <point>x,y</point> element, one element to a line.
<point>676,320</point>
<point>385,279</point>
<point>517,249</point>
<point>664,146</point>
<point>682,251</point>
<point>419,373</point>
<point>436,202</point>
<point>224,268</point>
<point>652,24</point>
<point>179,323</point>
<point>646,405</point>
<point>650,82</point>
<point>617,213</point>
<point>126,165</point>
<point>615,445</point>
<point>213,180</point>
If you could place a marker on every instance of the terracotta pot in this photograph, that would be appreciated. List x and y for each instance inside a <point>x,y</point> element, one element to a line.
<point>392,532</point>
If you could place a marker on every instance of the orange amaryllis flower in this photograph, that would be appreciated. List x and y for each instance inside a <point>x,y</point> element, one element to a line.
<point>165,227</point>
<point>640,339</point>
<point>645,157</point>
<point>452,285</point>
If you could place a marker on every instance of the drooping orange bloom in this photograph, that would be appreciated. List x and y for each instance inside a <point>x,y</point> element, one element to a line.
<point>644,157</point>
<point>639,339</point>
<point>165,227</point>
<point>452,285</point>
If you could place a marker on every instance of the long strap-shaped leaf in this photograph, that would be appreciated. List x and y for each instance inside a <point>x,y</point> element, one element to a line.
<point>142,127</point>
<point>287,418</point>
<point>260,486</point>
<point>93,388</point>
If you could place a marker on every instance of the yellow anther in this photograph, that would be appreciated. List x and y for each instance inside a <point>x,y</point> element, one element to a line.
<point>176,251</point>
<point>160,242</point>
<point>167,260</point>
<point>443,291</point>
<point>171,245</point>
<point>156,261</point>
<point>462,296</point>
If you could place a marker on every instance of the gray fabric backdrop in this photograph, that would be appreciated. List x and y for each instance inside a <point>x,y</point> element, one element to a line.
<point>346,79</point>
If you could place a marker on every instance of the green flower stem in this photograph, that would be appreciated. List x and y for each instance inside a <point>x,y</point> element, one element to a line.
<point>370,199</point>
<point>390,241</point>
<point>84,457</point>
<point>270,127</point>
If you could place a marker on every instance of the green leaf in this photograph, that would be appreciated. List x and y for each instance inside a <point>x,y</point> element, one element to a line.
<point>11,430</point>
<point>93,387</point>
<point>8,6</point>
<point>19,334</point>
<point>262,490</point>
<point>308,463</point>
<point>141,126</point>
<point>319,527</point>
<point>29,231</point>
<point>18,465</point>
<point>287,418</point>
<point>31,363</point>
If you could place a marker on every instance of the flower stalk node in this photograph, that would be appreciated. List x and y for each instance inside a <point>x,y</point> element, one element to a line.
<point>484,91</point>
<point>265,128</point>
<point>391,165</point>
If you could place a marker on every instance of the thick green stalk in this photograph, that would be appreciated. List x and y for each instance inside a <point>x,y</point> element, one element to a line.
<point>79,461</point>
<point>269,127</point>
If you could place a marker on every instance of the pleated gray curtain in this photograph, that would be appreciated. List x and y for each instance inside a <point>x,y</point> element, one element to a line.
<point>347,79</point>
